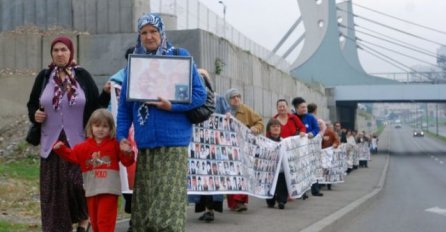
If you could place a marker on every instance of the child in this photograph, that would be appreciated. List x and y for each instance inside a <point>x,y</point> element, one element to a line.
<point>98,157</point>
<point>273,129</point>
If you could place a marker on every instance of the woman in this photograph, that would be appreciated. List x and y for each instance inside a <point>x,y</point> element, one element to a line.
<point>273,131</point>
<point>290,124</point>
<point>61,100</point>
<point>162,135</point>
<point>247,116</point>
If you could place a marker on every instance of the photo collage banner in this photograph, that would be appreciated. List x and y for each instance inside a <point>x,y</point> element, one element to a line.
<point>226,158</point>
<point>334,165</point>
<point>364,151</point>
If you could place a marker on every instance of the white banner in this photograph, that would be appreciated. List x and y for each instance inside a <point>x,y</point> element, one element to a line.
<point>226,158</point>
<point>364,151</point>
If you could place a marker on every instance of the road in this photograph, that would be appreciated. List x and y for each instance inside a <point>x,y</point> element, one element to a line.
<point>413,198</point>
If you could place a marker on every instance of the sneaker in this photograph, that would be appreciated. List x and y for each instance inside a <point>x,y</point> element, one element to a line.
<point>281,206</point>
<point>207,217</point>
<point>317,194</point>
<point>304,197</point>
<point>241,207</point>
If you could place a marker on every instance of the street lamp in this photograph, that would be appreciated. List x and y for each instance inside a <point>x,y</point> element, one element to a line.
<point>224,17</point>
<point>224,10</point>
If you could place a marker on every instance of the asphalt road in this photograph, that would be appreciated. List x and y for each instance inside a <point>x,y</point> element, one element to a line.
<point>413,198</point>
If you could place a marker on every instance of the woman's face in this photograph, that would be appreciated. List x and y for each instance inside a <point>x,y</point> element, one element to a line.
<point>235,100</point>
<point>282,108</point>
<point>150,37</point>
<point>60,54</point>
<point>275,130</point>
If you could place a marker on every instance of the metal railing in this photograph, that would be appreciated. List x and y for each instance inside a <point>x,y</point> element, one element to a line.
<point>414,77</point>
<point>192,14</point>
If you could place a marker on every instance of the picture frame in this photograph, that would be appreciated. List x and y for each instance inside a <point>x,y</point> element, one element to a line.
<point>150,77</point>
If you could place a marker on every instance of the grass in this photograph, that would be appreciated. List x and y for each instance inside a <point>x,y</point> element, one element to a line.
<point>24,169</point>
<point>7,227</point>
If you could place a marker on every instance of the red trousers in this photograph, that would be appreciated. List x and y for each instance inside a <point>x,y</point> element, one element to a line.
<point>234,199</point>
<point>103,210</point>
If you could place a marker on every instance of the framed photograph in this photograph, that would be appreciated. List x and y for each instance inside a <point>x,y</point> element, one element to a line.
<point>150,77</point>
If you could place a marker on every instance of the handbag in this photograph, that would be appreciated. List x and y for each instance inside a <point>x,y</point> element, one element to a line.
<point>203,112</point>
<point>33,135</point>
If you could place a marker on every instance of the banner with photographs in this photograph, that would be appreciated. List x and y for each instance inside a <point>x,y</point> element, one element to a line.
<point>216,165</point>
<point>300,163</point>
<point>335,165</point>
<point>364,151</point>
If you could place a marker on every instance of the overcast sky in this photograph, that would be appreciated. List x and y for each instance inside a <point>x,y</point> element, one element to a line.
<point>266,21</point>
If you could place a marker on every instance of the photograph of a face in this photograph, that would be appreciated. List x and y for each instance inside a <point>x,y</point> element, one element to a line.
<point>152,77</point>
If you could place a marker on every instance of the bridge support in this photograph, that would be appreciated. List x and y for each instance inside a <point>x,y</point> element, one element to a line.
<point>346,114</point>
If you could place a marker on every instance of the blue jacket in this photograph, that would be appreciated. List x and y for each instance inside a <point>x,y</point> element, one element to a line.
<point>162,128</point>
<point>310,123</point>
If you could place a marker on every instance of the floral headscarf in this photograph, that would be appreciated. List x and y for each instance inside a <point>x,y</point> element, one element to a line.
<point>69,85</point>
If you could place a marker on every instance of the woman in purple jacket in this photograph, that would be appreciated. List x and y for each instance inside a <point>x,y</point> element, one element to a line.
<point>61,101</point>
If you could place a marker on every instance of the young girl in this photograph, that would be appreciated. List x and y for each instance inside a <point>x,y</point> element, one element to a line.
<point>273,129</point>
<point>98,157</point>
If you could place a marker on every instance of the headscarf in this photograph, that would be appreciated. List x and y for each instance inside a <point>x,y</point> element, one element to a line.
<point>156,21</point>
<point>69,84</point>
<point>228,95</point>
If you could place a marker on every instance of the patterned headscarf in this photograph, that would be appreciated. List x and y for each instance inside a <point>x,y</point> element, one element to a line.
<point>69,85</point>
<point>156,21</point>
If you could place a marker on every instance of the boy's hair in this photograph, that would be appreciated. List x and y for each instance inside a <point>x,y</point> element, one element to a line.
<point>311,108</point>
<point>99,117</point>
<point>272,122</point>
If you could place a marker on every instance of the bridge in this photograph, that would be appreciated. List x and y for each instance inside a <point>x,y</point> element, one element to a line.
<point>324,59</point>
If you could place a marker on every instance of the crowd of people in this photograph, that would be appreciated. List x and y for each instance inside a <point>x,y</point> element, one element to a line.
<point>81,144</point>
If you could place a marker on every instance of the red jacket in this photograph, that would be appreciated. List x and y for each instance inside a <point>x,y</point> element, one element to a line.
<point>292,126</point>
<point>99,164</point>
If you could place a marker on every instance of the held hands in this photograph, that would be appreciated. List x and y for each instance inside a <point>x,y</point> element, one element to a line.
<point>125,146</point>
<point>310,135</point>
<point>40,116</point>
<point>254,130</point>
<point>302,134</point>
<point>163,104</point>
<point>57,145</point>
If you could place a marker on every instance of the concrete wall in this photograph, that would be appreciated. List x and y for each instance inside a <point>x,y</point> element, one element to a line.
<point>103,54</point>
<point>93,16</point>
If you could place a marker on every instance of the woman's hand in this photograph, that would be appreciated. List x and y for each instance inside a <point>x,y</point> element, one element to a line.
<point>40,116</point>
<point>163,104</point>
<point>107,87</point>
<point>57,145</point>
<point>125,146</point>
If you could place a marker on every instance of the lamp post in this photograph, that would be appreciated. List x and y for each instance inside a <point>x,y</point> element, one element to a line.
<point>224,17</point>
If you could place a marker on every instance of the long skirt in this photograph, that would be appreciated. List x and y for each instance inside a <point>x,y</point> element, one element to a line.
<point>160,192</point>
<point>62,196</point>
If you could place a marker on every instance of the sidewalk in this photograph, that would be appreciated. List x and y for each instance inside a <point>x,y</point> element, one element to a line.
<point>313,214</point>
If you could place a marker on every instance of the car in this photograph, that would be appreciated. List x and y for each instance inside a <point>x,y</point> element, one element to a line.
<point>398,126</point>
<point>418,133</point>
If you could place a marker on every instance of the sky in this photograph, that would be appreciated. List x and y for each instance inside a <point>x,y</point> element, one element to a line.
<point>266,21</point>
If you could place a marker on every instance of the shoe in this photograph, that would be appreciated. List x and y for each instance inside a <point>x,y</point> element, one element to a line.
<point>317,194</point>
<point>270,205</point>
<point>329,186</point>
<point>304,197</point>
<point>281,206</point>
<point>241,207</point>
<point>207,217</point>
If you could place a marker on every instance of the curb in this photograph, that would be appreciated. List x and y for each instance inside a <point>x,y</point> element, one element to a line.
<point>331,222</point>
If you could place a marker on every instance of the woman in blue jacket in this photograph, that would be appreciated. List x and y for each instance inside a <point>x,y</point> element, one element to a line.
<point>162,135</point>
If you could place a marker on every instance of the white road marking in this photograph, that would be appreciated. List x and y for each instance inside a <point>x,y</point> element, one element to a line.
<point>436,210</point>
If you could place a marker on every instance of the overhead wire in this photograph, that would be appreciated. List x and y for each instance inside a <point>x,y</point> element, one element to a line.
<point>393,28</point>
<point>400,19</point>
<point>399,43</point>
